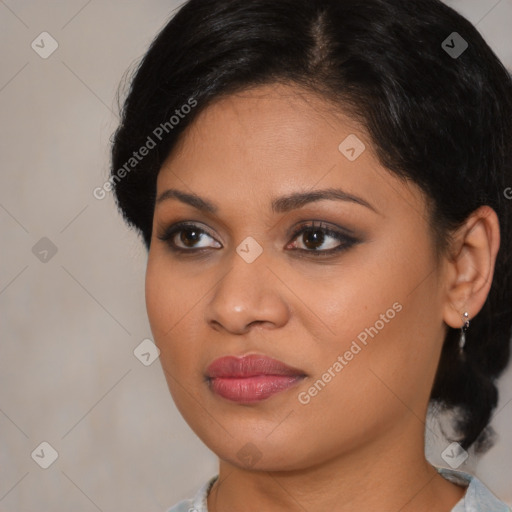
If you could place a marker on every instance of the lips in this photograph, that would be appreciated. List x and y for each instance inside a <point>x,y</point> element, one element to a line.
<point>251,378</point>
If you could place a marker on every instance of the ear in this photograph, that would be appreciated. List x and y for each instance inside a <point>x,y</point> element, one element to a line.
<point>470,268</point>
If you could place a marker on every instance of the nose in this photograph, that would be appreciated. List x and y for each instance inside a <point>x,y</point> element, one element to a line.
<point>248,294</point>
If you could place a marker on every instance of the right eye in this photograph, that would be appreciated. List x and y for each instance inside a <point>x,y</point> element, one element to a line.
<point>184,237</point>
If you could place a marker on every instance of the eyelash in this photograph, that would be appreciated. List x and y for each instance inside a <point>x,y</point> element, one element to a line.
<point>345,240</point>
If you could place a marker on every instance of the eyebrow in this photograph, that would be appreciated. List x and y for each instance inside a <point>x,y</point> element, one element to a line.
<point>279,205</point>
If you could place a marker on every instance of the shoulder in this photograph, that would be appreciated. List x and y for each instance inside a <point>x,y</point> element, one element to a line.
<point>198,503</point>
<point>478,498</point>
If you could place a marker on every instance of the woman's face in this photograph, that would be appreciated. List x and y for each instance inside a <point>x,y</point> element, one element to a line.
<point>340,286</point>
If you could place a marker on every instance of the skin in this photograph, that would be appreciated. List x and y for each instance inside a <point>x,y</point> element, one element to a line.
<point>359,442</point>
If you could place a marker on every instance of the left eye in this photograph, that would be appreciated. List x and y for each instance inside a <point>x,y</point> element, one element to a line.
<point>321,239</point>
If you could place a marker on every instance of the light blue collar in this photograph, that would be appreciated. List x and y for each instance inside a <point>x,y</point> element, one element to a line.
<point>478,498</point>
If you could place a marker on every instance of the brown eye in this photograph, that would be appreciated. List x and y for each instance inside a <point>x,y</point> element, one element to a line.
<point>313,238</point>
<point>320,240</point>
<point>188,238</point>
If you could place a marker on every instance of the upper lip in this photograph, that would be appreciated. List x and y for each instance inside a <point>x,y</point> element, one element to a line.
<point>249,366</point>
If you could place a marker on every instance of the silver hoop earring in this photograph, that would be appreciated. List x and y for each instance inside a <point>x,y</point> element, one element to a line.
<point>463,329</point>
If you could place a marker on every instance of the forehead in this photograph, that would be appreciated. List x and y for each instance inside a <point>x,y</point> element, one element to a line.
<point>275,140</point>
<point>269,119</point>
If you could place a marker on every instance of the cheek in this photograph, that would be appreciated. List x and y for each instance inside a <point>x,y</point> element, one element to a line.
<point>169,302</point>
<point>386,337</point>
<point>357,298</point>
<point>158,296</point>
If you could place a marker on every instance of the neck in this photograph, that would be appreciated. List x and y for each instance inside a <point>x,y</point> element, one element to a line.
<point>388,475</point>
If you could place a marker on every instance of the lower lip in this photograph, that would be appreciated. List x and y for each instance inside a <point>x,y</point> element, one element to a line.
<point>252,389</point>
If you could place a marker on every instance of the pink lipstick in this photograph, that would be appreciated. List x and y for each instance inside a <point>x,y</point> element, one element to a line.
<point>251,378</point>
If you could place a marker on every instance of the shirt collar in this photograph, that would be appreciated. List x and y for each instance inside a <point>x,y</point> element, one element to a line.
<point>477,498</point>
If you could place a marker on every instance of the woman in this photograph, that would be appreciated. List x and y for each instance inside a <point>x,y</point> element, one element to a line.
<point>321,186</point>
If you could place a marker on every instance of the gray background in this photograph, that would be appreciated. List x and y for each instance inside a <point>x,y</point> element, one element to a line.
<point>69,325</point>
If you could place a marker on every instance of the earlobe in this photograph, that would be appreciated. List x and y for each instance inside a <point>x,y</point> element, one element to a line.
<point>471,268</point>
